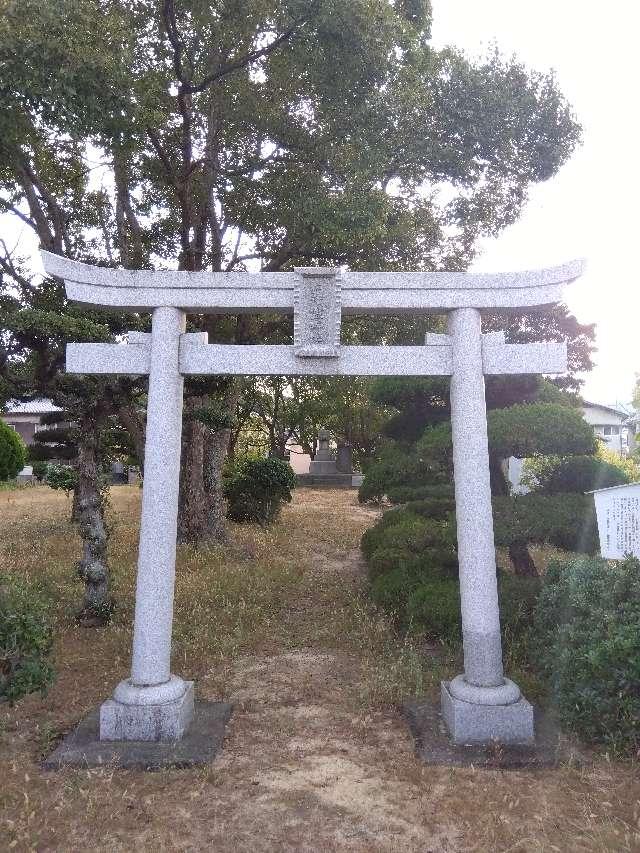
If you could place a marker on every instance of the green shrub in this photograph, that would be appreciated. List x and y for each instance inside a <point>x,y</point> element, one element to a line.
<point>25,639</point>
<point>439,507</point>
<point>580,474</point>
<point>566,521</point>
<point>404,494</point>
<point>434,607</point>
<point>426,546</point>
<point>391,590</point>
<point>539,429</point>
<point>587,624</point>
<point>523,430</point>
<point>12,452</point>
<point>412,560</point>
<point>256,488</point>
<point>40,470</point>
<point>61,477</point>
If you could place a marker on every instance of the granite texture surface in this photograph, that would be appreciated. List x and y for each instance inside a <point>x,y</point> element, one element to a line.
<point>317,312</point>
<point>83,748</point>
<point>474,517</point>
<point>158,524</point>
<point>264,360</point>
<point>146,720</point>
<point>434,746</point>
<point>318,297</point>
<point>473,723</point>
<point>361,292</point>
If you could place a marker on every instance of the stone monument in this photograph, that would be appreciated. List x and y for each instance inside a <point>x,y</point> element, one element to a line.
<point>331,469</point>
<point>323,462</point>
<point>480,705</point>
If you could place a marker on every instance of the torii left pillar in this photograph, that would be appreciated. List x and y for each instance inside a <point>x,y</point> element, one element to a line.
<point>153,705</point>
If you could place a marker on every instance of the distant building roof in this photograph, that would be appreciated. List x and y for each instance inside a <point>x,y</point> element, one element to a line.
<point>39,406</point>
<point>620,412</point>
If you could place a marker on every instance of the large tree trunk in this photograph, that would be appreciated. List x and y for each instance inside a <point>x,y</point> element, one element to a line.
<point>499,483</point>
<point>521,560</point>
<point>133,422</point>
<point>216,446</point>
<point>192,507</point>
<point>92,567</point>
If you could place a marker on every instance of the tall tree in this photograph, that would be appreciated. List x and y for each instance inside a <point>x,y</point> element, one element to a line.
<point>265,133</point>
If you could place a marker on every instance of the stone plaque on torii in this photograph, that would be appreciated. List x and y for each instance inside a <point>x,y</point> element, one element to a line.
<point>480,705</point>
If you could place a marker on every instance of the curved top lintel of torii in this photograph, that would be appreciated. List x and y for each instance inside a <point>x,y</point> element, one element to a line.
<point>360,292</point>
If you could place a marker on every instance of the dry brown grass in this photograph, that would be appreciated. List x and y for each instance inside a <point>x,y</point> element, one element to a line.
<point>316,756</point>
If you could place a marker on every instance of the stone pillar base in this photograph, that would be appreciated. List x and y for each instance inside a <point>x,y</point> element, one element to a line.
<point>156,716</point>
<point>323,466</point>
<point>473,723</point>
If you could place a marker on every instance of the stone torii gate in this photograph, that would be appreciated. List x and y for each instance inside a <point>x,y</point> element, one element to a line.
<point>480,705</point>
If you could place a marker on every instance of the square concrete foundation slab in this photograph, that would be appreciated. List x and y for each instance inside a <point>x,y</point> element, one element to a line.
<point>469,723</point>
<point>166,722</point>
<point>435,747</point>
<point>83,748</point>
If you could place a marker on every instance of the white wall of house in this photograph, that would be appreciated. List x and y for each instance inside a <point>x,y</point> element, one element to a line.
<point>609,425</point>
<point>25,417</point>
<point>298,459</point>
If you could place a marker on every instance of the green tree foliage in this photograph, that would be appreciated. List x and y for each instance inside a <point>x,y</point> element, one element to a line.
<point>256,489</point>
<point>61,477</point>
<point>533,429</point>
<point>57,442</point>
<point>412,560</point>
<point>275,410</point>
<point>12,452</point>
<point>578,474</point>
<point>25,639</point>
<point>565,520</point>
<point>588,638</point>
<point>216,135</point>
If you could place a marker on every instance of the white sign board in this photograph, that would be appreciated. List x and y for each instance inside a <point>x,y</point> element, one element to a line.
<point>618,514</point>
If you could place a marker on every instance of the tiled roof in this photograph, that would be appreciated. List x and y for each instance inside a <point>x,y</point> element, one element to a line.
<point>38,406</point>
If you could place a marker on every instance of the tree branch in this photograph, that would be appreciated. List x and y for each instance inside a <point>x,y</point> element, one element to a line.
<point>164,158</point>
<point>134,258</point>
<point>171,28</point>
<point>229,67</point>
<point>10,208</point>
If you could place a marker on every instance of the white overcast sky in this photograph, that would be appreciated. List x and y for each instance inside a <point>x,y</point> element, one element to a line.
<point>590,209</point>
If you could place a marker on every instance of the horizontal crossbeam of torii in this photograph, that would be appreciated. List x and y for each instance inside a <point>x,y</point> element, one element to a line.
<point>481,705</point>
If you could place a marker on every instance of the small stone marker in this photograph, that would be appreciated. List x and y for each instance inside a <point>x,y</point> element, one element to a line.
<point>618,514</point>
<point>344,459</point>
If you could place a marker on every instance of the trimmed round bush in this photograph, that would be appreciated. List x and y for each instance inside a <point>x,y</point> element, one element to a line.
<point>13,452</point>
<point>566,521</point>
<point>581,474</point>
<point>412,559</point>
<point>25,639</point>
<point>390,590</point>
<point>434,607</point>
<point>61,477</point>
<point>256,489</point>
<point>587,625</point>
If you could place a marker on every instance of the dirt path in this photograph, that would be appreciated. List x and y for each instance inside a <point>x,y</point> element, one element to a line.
<point>318,772</point>
<point>316,757</point>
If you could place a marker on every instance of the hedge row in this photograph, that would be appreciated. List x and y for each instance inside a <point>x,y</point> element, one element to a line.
<point>579,629</point>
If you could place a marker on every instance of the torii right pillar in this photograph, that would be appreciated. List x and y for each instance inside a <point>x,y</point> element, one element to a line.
<point>481,705</point>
